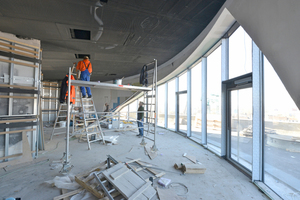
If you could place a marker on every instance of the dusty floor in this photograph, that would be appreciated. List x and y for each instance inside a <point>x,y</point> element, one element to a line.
<point>220,181</point>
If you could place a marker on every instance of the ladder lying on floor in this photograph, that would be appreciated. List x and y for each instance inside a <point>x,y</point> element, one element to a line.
<point>91,122</point>
<point>62,113</point>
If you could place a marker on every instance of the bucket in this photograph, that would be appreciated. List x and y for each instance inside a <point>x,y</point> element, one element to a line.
<point>62,123</point>
<point>117,81</point>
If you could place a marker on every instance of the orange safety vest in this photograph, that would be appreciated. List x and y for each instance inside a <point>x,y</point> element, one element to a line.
<point>72,97</point>
<point>84,64</point>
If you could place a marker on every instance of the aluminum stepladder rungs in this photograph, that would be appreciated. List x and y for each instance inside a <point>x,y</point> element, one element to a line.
<point>87,118</point>
<point>108,193</point>
<point>151,117</point>
<point>57,118</point>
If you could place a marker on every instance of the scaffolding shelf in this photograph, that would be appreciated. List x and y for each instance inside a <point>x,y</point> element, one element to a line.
<point>108,85</point>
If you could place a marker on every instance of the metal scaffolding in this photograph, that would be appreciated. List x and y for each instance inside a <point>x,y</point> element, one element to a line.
<point>66,164</point>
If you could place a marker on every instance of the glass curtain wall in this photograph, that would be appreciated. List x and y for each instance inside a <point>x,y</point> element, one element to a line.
<point>182,102</point>
<point>161,105</point>
<point>282,137</point>
<point>214,100</point>
<point>240,53</point>
<point>196,101</point>
<point>171,104</point>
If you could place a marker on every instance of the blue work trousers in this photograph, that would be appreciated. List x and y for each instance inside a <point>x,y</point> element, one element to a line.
<point>85,76</point>
<point>141,126</point>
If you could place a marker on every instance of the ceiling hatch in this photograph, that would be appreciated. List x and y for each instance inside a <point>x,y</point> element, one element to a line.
<point>80,34</point>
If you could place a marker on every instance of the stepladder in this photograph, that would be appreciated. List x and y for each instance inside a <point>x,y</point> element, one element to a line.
<point>59,126</point>
<point>91,131</point>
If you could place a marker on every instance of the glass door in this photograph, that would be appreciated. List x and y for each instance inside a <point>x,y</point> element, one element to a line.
<point>183,112</point>
<point>240,126</point>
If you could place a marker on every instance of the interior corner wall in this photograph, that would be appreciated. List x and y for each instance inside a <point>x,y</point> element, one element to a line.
<point>102,96</point>
<point>274,25</point>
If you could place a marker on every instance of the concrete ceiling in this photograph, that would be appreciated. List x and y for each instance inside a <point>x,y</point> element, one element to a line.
<point>123,35</point>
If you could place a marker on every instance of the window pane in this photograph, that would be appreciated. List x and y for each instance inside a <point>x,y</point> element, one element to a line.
<point>282,137</point>
<point>171,104</point>
<point>196,100</point>
<point>214,100</point>
<point>240,53</point>
<point>183,82</point>
<point>161,105</point>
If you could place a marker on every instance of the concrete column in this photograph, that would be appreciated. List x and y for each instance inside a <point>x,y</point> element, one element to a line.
<point>189,103</point>
<point>258,113</point>
<point>224,77</point>
<point>176,104</point>
<point>204,101</point>
<point>166,105</point>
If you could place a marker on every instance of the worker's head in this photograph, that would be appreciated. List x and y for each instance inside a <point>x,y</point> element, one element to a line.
<point>85,58</point>
<point>141,103</point>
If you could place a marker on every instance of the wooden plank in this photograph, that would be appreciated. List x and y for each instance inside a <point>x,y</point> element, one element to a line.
<point>18,63</point>
<point>18,131</point>
<point>139,191</point>
<point>134,180</point>
<point>68,194</point>
<point>151,154</point>
<point>120,184</point>
<point>193,169</point>
<point>89,188</point>
<point>17,97</point>
<point>18,120</point>
<point>26,153</point>
<point>17,47</point>
<point>11,156</point>
<point>19,52</point>
<point>191,158</point>
<point>18,86</point>
<point>64,191</point>
<point>119,173</point>
<point>131,161</point>
<point>157,174</point>
<point>149,192</point>
<point>24,44</point>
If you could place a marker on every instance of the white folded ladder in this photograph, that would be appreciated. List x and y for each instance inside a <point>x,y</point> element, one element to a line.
<point>93,131</point>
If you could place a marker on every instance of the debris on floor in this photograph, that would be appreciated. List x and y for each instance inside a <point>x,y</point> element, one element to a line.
<point>164,182</point>
<point>190,168</point>
<point>107,181</point>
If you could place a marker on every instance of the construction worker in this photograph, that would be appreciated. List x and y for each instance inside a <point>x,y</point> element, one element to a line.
<point>85,68</point>
<point>140,119</point>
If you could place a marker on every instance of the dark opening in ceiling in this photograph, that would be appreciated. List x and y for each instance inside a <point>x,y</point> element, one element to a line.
<point>81,56</point>
<point>80,34</point>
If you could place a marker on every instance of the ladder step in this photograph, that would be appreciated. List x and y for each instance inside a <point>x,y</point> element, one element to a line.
<point>112,190</point>
<point>95,140</point>
<point>148,138</point>
<point>89,105</point>
<point>59,133</point>
<point>149,131</point>
<point>93,133</point>
<point>91,112</point>
<point>62,116</point>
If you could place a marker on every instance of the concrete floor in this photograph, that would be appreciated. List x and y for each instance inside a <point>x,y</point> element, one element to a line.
<point>220,181</point>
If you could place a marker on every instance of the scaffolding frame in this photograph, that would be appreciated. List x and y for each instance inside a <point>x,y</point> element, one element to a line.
<point>66,157</point>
